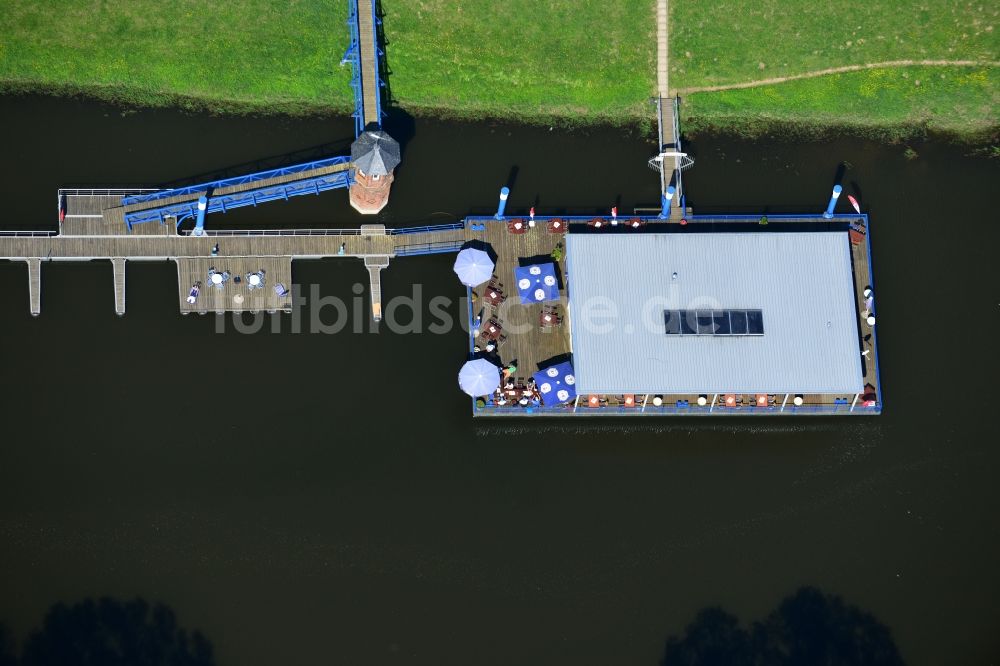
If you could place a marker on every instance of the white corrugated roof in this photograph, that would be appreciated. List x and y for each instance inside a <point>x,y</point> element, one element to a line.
<point>620,285</point>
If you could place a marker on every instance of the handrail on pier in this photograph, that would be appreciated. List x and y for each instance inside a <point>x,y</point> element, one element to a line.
<point>451,226</point>
<point>220,204</point>
<point>275,232</point>
<point>237,180</point>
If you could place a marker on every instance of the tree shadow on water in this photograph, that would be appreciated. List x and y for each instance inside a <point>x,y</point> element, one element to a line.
<point>807,628</point>
<point>114,633</point>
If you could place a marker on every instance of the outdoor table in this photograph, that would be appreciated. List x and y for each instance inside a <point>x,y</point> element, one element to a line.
<point>492,330</point>
<point>516,226</point>
<point>593,401</point>
<point>730,400</point>
<point>216,278</point>
<point>629,400</point>
<point>494,296</point>
<point>762,400</point>
<point>254,280</point>
<point>557,226</point>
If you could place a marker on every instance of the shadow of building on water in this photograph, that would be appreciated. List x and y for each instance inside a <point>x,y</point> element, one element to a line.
<point>807,628</point>
<point>112,632</point>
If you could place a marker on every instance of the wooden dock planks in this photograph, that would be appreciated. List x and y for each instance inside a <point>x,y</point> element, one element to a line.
<point>369,62</point>
<point>234,296</point>
<point>662,48</point>
<point>862,279</point>
<point>35,286</point>
<point>118,266</point>
<point>374,265</point>
<point>527,342</point>
<point>239,254</point>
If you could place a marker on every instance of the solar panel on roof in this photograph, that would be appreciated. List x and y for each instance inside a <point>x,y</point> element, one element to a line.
<point>705,325</point>
<point>672,319</point>
<point>738,322</point>
<point>713,322</point>
<point>721,320</point>
<point>689,323</point>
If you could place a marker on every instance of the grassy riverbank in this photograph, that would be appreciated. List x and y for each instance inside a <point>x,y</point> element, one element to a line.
<point>888,104</point>
<point>515,59</point>
<point>561,60</point>
<point>731,42</point>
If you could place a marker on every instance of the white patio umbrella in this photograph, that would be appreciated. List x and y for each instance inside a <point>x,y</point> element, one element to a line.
<point>479,377</point>
<point>473,267</point>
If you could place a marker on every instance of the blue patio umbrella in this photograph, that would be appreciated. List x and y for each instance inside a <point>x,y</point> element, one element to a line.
<point>556,384</point>
<point>479,377</point>
<point>473,267</point>
<point>537,283</point>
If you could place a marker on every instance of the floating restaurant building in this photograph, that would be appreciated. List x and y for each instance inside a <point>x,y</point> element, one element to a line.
<point>699,315</point>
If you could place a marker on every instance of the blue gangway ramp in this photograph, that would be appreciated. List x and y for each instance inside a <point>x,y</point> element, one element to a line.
<point>180,204</point>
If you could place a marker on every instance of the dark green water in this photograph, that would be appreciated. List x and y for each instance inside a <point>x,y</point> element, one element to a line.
<point>306,499</point>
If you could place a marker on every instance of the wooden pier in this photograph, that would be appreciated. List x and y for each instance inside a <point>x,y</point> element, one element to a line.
<point>369,63</point>
<point>89,233</point>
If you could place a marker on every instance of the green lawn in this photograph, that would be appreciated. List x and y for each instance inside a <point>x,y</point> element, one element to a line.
<point>510,58</point>
<point>533,59</point>
<point>883,102</point>
<point>729,41</point>
<point>560,57</point>
<point>265,53</point>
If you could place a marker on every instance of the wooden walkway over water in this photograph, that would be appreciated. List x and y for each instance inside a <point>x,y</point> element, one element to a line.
<point>97,212</point>
<point>369,62</point>
<point>90,235</point>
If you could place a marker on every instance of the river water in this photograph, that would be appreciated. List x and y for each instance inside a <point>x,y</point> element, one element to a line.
<point>307,498</point>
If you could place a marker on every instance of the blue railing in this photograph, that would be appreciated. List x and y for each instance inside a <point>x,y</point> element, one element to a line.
<point>452,226</point>
<point>624,218</point>
<point>782,216</point>
<point>871,278</point>
<point>221,204</point>
<point>429,248</point>
<point>671,410</point>
<point>237,180</point>
<point>353,55</point>
<point>378,59</point>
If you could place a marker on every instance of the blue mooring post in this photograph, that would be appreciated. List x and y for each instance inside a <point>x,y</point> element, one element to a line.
<point>199,225</point>
<point>504,193</point>
<point>833,201</point>
<point>665,201</point>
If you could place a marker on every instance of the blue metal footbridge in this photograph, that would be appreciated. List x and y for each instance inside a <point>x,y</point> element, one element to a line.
<point>219,196</point>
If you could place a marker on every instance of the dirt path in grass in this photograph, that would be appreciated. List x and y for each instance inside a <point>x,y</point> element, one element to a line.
<point>840,70</point>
